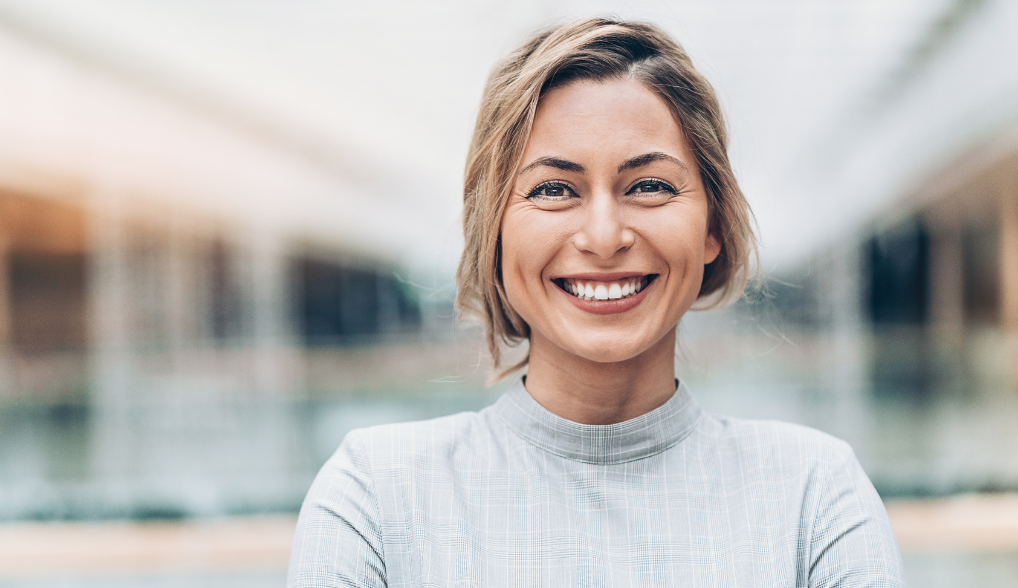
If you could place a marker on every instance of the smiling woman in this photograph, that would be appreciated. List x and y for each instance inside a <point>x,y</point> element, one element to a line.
<point>606,202</point>
<point>599,207</point>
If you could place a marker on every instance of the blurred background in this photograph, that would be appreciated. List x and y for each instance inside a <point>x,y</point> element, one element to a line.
<point>228,232</point>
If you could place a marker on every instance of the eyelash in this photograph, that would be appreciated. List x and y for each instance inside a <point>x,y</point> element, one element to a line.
<point>664,187</point>
<point>559,185</point>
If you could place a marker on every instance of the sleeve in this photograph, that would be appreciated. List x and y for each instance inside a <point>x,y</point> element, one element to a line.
<point>852,544</point>
<point>338,540</point>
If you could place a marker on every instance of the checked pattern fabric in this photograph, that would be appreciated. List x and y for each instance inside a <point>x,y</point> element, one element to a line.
<point>514,496</point>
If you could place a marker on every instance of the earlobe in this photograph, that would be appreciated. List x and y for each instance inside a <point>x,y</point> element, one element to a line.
<point>711,249</point>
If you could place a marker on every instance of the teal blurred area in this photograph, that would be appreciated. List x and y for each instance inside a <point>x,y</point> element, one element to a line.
<point>228,233</point>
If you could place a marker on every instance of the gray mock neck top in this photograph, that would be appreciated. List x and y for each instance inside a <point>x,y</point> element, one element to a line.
<point>636,438</point>
<point>515,496</point>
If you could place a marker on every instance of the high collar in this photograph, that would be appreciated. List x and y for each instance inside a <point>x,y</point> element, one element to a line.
<point>643,436</point>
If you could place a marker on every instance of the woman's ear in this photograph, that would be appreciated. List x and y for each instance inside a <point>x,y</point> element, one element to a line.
<point>711,248</point>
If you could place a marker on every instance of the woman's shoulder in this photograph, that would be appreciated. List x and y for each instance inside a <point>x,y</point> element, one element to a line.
<point>396,444</point>
<point>777,443</point>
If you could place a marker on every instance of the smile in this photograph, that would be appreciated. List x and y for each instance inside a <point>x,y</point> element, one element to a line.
<point>605,290</point>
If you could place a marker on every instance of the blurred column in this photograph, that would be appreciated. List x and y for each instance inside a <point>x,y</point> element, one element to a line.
<point>276,366</point>
<point>1009,272</point>
<point>274,361</point>
<point>849,377</point>
<point>110,302</point>
<point>176,284</point>
<point>187,311</point>
<point>6,345</point>
<point>947,283</point>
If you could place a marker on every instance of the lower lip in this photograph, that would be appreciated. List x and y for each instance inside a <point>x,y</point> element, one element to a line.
<point>608,306</point>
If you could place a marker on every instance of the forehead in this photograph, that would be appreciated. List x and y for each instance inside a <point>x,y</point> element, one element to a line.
<point>612,118</point>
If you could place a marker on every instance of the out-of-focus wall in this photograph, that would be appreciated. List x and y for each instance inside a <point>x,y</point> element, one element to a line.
<point>900,339</point>
<point>179,279</point>
<point>183,303</point>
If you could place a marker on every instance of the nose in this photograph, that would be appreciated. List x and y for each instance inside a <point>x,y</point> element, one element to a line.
<point>604,231</point>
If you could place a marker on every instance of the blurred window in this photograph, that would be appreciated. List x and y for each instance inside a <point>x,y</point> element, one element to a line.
<point>898,275</point>
<point>341,304</point>
<point>47,298</point>
<point>980,246</point>
<point>44,263</point>
<point>228,319</point>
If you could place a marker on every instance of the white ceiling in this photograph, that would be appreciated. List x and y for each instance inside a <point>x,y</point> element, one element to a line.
<point>384,93</point>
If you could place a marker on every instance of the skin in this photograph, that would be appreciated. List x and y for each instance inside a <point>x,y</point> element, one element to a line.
<point>575,211</point>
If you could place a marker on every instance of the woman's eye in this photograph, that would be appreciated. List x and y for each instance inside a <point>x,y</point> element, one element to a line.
<point>651,187</point>
<point>551,190</point>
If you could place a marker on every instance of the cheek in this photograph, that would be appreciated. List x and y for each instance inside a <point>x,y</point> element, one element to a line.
<point>680,240</point>
<point>514,254</point>
<point>521,255</point>
<point>532,240</point>
<point>513,271</point>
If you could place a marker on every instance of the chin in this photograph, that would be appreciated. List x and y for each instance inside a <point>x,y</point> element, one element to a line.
<point>610,351</point>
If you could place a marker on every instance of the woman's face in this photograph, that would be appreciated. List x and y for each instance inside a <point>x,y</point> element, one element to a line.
<point>605,237</point>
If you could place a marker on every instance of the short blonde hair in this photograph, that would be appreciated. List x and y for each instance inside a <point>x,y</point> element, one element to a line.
<point>595,49</point>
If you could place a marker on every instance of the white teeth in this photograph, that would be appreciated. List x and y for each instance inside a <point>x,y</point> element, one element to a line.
<point>605,290</point>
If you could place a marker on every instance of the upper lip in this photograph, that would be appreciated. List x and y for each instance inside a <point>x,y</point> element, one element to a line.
<point>602,277</point>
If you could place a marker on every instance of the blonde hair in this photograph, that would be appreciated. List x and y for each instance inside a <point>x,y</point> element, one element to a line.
<point>595,49</point>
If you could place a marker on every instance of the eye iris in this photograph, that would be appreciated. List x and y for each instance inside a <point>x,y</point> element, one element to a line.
<point>653,187</point>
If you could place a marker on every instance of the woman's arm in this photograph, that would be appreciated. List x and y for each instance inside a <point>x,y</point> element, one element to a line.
<point>852,544</point>
<point>339,540</point>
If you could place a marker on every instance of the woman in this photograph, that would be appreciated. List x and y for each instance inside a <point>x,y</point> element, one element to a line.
<point>599,207</point>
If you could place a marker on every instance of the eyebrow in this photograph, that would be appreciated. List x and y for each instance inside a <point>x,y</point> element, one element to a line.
<point>556,162</point>
<point>632,163</point>
<point>647,159</point>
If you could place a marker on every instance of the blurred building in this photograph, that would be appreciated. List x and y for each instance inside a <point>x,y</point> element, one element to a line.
<point>174,284</point>
<point>211,252</point>
<point>911,327</point>
<point>911,311</point>
<point>934,284</point>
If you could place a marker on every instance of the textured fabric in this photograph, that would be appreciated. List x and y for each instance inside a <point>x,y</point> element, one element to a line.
<point>516,496</point>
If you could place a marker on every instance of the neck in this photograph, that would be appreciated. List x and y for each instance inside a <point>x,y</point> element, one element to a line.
<point>594,393</point>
